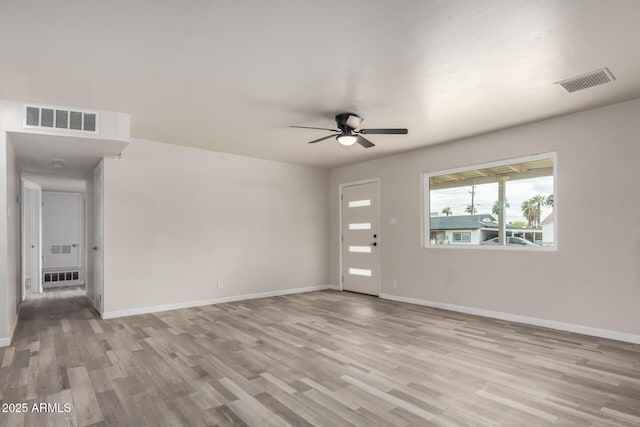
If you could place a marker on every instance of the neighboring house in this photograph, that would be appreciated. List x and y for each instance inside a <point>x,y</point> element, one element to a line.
<point>548,230</point>
<point>473,229</point>
<point>459,229</point>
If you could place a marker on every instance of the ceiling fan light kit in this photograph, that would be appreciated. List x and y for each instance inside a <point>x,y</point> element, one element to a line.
<point>347,135</point>
<point>347,139</point>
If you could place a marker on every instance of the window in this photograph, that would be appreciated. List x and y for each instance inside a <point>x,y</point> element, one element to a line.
<point>506,204</point>
<point>462,237</point>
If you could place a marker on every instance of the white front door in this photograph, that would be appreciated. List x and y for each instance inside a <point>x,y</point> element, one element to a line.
<point>360,237</point>
<point>61,230</point>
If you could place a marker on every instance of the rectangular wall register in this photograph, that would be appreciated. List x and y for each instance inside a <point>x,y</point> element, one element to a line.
<point>62,276</point>
<point>55,118</point>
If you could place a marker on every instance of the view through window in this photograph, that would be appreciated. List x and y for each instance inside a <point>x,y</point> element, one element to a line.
<point>508,204</point>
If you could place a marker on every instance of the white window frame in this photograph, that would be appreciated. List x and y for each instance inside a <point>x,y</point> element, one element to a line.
<point>426,193</point>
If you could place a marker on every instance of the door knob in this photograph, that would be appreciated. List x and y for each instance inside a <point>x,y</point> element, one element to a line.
<point>373,244</point>
<point>95,248</point>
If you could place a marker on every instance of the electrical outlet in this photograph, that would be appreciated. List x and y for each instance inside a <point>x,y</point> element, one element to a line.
<point>220,284</point>
<point>394,283</point>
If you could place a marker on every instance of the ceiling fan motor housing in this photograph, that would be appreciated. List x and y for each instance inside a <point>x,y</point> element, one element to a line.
<point>348,121</point>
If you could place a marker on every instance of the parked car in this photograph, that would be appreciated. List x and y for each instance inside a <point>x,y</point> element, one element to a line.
<point>511,241</point>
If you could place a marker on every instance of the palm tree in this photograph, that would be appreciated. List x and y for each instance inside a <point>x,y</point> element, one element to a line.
<point>538,201</point>
<point>447,211</point>
<point>549,200</point>
<point>528,211</point>
<point>496,209</point>
<point>532,208</point>
<point>470,209</point>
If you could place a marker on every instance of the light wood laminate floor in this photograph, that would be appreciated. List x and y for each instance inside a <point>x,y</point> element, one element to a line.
<point>322,358</point>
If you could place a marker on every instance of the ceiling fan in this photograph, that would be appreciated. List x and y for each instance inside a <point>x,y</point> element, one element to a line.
<point>346,134</point>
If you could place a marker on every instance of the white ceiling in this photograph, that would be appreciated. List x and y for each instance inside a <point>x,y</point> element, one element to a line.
<point>79,155</point>
<point>233,75</point>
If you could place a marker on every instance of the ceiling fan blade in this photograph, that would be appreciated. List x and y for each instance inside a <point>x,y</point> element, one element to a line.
<point>308,127</point>
<point>322,139</point>
<point>384,131</point>
<point>364,142</point>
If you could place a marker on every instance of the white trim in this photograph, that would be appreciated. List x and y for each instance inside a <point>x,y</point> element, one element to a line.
<point>340,266</point>
<point>6,342</point>
<point>198,303</point>
<point>552,324</point>
<point>86,295</point>
<point>63,284</point>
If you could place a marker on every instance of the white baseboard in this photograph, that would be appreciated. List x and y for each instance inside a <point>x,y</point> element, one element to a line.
<point>198,303</point>
<point>334,287</point>
<point>63,284</point>
<point>552,324</point>
<point>6,341</point>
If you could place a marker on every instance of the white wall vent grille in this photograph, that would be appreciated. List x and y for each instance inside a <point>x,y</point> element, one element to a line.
<point>60,249</point>
<point>585,81</point>
<point>60,118</point>
<point>61,276</point>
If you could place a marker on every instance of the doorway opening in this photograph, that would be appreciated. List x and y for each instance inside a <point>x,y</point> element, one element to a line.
<point>57,214</point>
<point>61,234</point>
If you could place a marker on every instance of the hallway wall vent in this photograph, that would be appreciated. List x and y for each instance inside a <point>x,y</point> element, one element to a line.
<point>61,276</point>
<point>60,118</point>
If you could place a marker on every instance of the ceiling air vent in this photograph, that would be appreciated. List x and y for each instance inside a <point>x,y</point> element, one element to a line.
<point>60,118</point>
<point>585,81</point>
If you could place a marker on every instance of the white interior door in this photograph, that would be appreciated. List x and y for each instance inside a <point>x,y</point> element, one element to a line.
<point>31,238</point>
<point>98,254</point>
<point>360,258</point>
<point>62,230</point>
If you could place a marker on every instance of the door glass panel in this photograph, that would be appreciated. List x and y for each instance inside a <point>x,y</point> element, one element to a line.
<point>360,272</point>
<point>360,226</point>
<point>360,249</point>
<point>359,203</point>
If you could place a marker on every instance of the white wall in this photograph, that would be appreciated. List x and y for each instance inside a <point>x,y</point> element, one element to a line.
<point>14,244</point>
<point>10,284</point>
<point>5,321</point>
<point>177,220</point>
<point>589,281</point>
<point>58,183</point>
